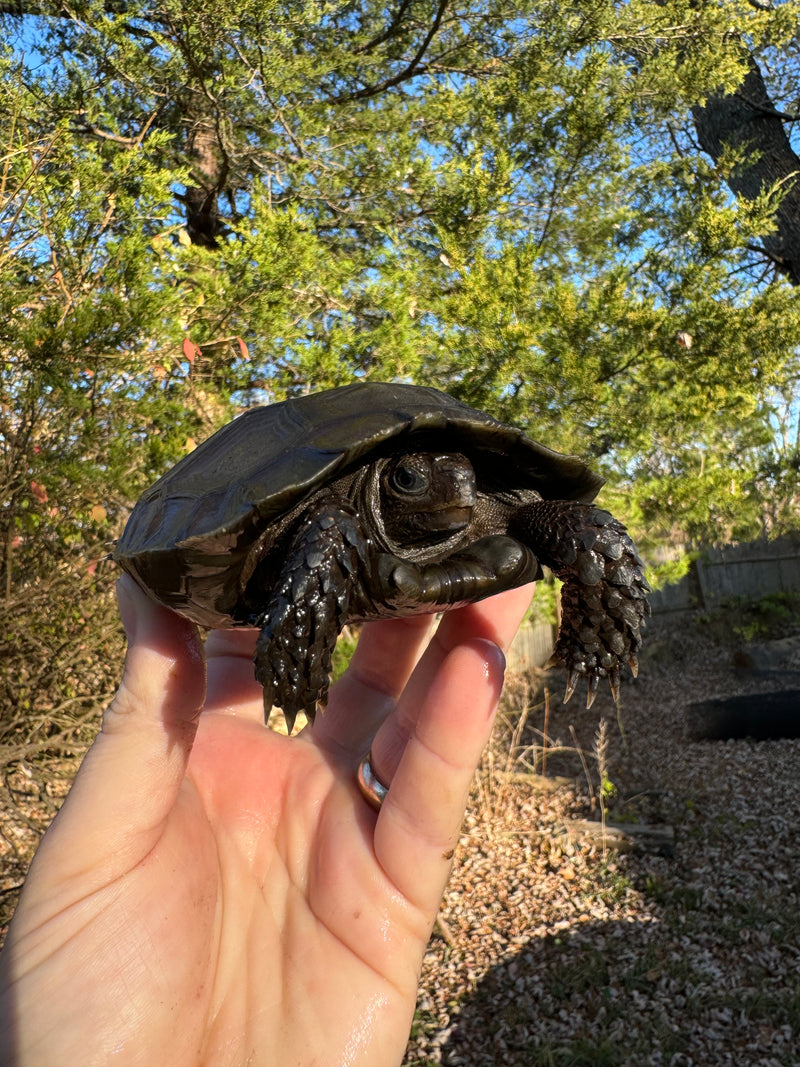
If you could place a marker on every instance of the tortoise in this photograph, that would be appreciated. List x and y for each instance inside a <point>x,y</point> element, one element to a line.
<point>378,500</point>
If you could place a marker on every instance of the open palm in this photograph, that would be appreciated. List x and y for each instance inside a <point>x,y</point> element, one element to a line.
<point>214,893</point>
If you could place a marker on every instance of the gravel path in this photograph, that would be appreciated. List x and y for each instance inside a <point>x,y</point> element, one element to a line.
<point>555,951</point>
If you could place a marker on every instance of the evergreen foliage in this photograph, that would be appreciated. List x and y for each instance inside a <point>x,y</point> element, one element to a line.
<point>206,206</point>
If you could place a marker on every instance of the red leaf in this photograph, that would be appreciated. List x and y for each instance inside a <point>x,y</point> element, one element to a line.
<point>39,492</point>
<point>243,349</point>
<point>190,349</point>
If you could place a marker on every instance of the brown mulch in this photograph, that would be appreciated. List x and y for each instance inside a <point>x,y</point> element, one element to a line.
<point>555,950</point>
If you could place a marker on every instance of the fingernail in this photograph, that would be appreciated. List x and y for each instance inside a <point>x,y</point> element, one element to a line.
<point>492,653</point>
<point>494,667</point>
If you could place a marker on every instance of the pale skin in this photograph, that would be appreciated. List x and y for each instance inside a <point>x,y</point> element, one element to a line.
<point>214,893</point>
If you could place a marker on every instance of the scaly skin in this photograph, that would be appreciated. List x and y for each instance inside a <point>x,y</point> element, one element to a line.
<point>603,602</point>
<point>308,607</point>
<point>331,576</point>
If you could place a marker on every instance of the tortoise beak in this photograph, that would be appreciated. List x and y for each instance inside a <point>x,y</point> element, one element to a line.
<point>449,517</point>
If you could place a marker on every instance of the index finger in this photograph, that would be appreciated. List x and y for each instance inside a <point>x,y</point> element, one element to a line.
<point>367,692</point>
<point>232,688</point>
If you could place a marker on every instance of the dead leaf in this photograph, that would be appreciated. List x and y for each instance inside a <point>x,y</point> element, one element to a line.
<point>190,350</point>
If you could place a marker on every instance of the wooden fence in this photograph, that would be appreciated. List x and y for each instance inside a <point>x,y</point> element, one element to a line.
<point>750,570</point>
<point>531,647</point>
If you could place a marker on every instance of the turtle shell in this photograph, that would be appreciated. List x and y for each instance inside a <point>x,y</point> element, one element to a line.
<point>195,537</point>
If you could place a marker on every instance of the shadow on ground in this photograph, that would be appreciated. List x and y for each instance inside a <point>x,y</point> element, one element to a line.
<point>626,994</point>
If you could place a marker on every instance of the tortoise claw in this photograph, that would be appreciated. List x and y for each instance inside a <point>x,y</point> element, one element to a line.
<point>613,681</point>
<point>594,682</point>
<point>633,663</point>
<point>572,681</point>
<point>591,692</point>
<point>289,718</point>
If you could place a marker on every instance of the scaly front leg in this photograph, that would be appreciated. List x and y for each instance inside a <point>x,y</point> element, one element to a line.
<point>306,610</point>
<point>604,599</point>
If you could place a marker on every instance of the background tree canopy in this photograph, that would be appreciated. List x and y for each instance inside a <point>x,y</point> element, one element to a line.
<point>583,217</point>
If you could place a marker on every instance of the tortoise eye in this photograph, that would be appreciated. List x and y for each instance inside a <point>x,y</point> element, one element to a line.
<point>408,480</point>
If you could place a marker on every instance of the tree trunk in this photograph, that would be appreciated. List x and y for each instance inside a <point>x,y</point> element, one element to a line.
<point>747,119</point>
<point>209,168</point>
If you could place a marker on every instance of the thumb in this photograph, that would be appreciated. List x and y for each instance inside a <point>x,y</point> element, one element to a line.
<point>129,780</point>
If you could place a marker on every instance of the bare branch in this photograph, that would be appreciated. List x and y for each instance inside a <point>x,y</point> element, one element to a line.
<point>414,67</point>
<point>388,33</point>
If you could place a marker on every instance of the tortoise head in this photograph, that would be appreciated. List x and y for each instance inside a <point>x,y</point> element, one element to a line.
<point>426,496</point>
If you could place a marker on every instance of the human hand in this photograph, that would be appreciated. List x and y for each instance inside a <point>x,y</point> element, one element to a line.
<point>212,892</point>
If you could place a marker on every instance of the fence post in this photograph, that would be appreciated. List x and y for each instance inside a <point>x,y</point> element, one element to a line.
<point>700,568</point>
